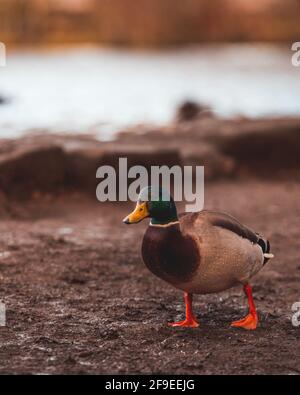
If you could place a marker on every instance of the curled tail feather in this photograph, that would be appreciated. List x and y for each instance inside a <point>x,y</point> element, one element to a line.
<point>265,246</point>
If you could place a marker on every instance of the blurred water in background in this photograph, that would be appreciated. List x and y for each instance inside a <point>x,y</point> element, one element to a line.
<point>101,91</point>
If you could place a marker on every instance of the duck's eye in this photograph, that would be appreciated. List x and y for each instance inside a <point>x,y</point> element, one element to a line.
<point>141,209</point>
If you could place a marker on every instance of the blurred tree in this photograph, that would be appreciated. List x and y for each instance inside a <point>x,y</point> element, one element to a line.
<point>148,22</point>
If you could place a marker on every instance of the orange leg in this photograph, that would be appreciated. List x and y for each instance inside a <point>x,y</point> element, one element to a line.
<point>190,320</point>
<point>251,320</point>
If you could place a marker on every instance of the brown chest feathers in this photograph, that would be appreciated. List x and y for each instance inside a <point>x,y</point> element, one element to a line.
<point>169,254</point>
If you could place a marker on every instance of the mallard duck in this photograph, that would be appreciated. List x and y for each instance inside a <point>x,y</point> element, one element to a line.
<point>199,253</point>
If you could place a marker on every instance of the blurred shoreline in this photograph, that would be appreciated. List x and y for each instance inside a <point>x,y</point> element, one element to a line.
<point>233,149</point>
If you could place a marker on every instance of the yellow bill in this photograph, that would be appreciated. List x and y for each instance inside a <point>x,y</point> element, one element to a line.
<point>139,213</point>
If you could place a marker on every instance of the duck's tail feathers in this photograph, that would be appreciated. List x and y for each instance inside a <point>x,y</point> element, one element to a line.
<point>265,246</point>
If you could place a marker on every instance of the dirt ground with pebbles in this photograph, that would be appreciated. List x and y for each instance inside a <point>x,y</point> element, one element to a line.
<point>80,300</point>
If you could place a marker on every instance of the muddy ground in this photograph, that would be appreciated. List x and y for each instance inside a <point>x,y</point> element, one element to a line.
<point>79,299</point>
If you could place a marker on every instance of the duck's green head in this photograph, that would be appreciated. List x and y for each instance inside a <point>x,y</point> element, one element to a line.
<point>154,203</point>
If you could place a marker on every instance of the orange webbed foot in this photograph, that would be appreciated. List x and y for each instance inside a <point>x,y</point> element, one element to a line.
<point>187,323</point>
<point>190,320</point>
<point>250,322</point>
